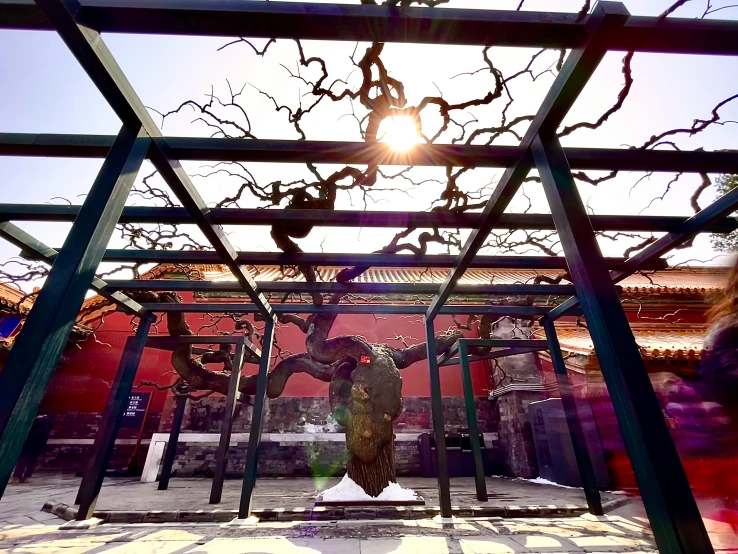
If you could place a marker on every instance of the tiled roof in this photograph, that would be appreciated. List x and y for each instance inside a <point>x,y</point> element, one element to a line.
<point>655,340</point>
<point>11,296</point>
<point>686,280</point>
<point>683,280</point>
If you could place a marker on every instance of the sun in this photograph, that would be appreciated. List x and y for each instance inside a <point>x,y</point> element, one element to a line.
<point>399,132</point>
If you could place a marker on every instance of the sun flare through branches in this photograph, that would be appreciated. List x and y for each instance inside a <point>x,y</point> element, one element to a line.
<point>400,132</point>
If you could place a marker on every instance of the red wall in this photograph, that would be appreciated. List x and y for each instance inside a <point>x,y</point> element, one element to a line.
<point>82,383</point>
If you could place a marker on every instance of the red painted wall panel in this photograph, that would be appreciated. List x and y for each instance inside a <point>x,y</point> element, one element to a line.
<point>82,383</point>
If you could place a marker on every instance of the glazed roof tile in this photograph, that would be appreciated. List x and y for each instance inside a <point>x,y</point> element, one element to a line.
<point>662,340</point>
<point>684,280</point>
<point>674,281</point>
<point>10,297</point>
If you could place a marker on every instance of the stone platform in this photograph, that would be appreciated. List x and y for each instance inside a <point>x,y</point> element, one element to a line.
<point>128,500</point>
<point>326,513</point>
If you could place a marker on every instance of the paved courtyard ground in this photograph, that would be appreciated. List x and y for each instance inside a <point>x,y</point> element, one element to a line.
<point>121,493</point>
<point>367,537</point>
<point>24,529</point>
<point>193,493</point>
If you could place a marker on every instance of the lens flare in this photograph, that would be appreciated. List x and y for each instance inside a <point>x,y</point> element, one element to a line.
<point>399,132</point>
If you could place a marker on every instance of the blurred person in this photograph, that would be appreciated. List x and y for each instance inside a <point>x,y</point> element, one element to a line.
<point>718,382</point>
<point>34,445</point>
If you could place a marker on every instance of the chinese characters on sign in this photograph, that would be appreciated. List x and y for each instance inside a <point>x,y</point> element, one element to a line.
<point>134,414</point>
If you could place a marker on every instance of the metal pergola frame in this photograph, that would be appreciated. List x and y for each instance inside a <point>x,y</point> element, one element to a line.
<point>513,347</point>
<point>120,391</point>
<point>669,502</point>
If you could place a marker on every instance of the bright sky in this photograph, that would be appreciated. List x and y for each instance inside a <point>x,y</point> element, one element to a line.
<point>45,91</point>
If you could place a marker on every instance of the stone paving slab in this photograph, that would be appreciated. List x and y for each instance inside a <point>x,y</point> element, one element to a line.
<point>34,532</point>
<point>462,536</point>
<point>128,500</point>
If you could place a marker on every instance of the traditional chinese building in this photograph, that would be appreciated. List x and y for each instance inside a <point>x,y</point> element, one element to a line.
<point>666,310</point>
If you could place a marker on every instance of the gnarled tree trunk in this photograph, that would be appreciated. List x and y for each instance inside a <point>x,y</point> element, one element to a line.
<point>374,476</point>
<point>366,398</point>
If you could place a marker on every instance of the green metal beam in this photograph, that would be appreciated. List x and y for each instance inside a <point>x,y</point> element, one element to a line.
<point>45,333</point>
<point>365,23</point>
<point>672,510</point>
<point>180,403</point>
<point>504,353</point>
<point>93,55</point>
<point>505,343</point>
<point>297,308</point>
<point>580,64</point>
<point>283,287</point>
<point>380,153</point>
<point>257,423</point>
<point>480,482</point>
<point>112,416</point>
<point>226,426</point>
<point>444,485</point>
<point>573,422</point>
<point>719,209</point>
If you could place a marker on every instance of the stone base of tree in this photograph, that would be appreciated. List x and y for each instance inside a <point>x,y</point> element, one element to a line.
<point>326,513</point>
<point>369,503</point>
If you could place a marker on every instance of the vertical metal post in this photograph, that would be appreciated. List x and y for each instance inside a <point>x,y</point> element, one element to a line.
<point>471,418</point>
<point>39,345</point>
<point>257,420</point>
<point>110,422</point>
<point>673,513</point>
<point>221,456</point>
<point>171,451</point>
<point>578,439</point>
<point>444,485</point>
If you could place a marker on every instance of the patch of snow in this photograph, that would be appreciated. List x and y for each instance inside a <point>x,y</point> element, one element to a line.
<point>312,428</point>
<point>394,491</point>
<point>542,481</point>
<point>348,491</point>
<point>330,426</point>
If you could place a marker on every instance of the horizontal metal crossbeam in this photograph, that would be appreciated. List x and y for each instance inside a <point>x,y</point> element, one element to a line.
<point>505,343</point>
<point>343,260</point>
<point>340,152</point>
<point>168,342</point>
<point>495,355</point>
<point>406,309</point>
<point>162,340</point>
<point>510,347</point>
<point>357,218</point>
<point>289,20</point>
<point>297,287</point>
